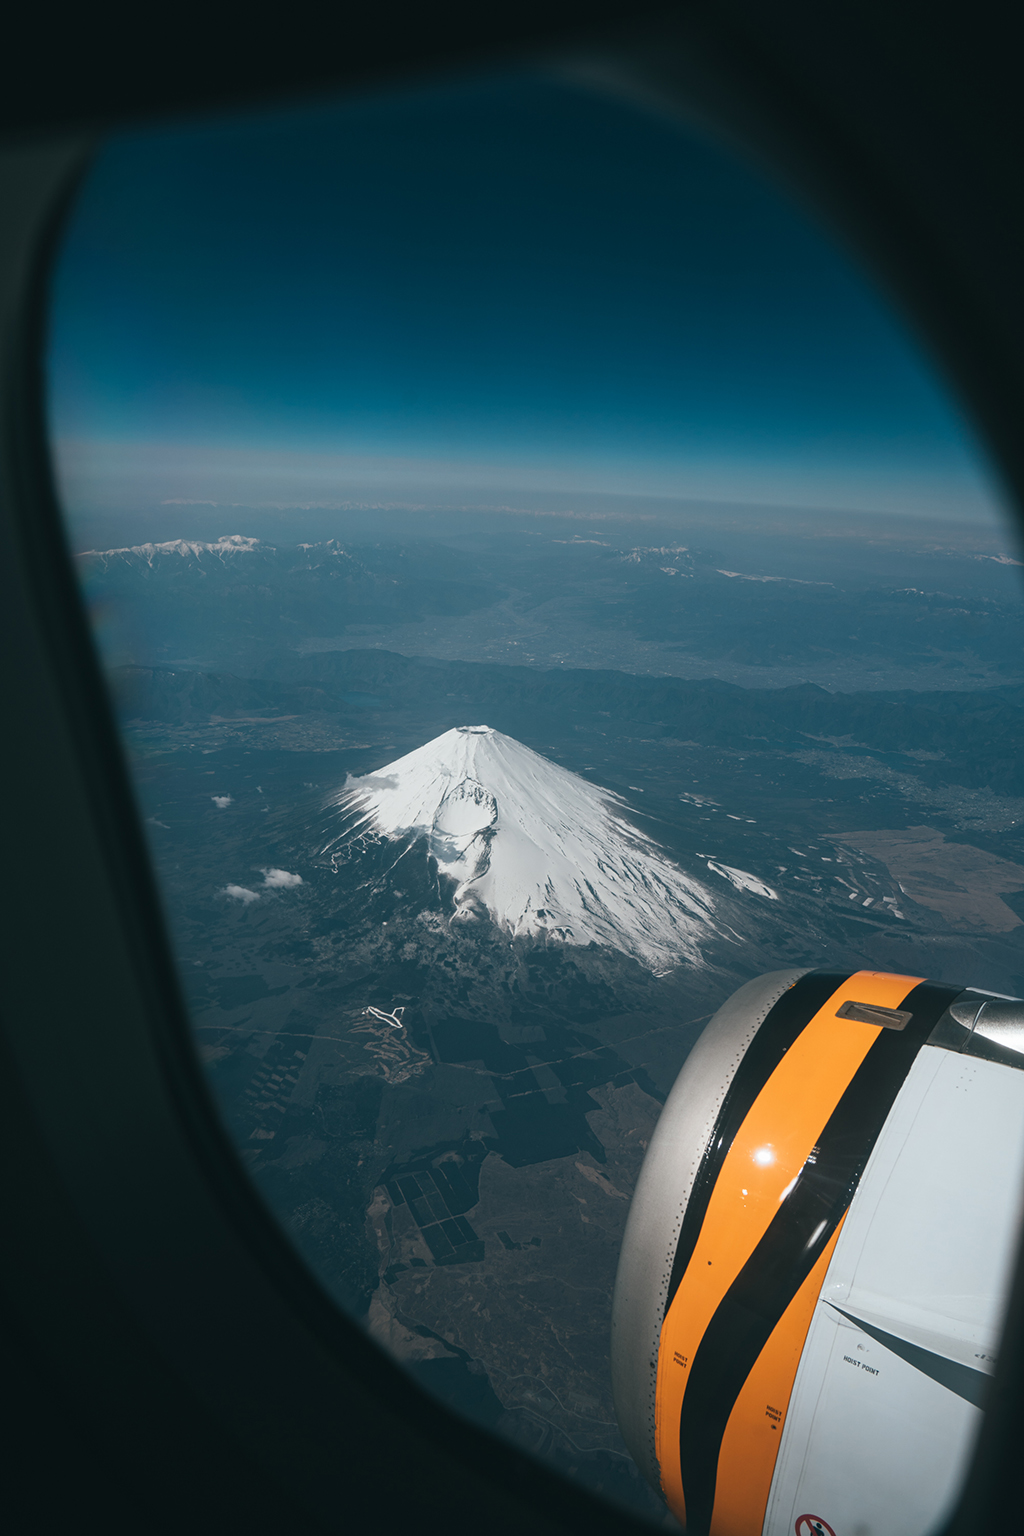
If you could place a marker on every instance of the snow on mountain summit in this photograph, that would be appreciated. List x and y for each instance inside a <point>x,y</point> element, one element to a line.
<point>538,847</point>
<point>227,544</point>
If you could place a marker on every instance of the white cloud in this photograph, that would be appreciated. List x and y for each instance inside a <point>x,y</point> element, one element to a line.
<point>241,893</point>
<point>221,801</point>
<point>372,781</point>
<point>280,879</point>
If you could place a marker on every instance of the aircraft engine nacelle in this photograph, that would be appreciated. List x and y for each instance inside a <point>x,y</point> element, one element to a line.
<point>812,1279</point>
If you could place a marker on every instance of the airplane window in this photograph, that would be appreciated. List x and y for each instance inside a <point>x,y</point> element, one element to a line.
<point>544,589</point>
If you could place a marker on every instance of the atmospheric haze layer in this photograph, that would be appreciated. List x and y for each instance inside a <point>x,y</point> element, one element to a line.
<point>536,847</point>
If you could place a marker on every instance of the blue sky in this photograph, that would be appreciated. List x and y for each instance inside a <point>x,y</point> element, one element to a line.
<point>472,289</point>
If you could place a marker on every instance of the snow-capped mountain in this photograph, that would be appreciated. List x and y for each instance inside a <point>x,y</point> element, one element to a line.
<point>536,847</point>
<point>192,550</point>
<point>235,555</point>
<point>224,602</point>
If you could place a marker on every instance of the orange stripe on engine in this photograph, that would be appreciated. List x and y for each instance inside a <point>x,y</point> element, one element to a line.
<point>750,1445</point>
<point>768,1152</point>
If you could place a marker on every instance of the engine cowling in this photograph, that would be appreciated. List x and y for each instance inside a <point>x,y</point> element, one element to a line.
<point>812,1278</point>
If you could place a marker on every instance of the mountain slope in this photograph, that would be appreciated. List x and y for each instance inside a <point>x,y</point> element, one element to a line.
<point>536,847</point>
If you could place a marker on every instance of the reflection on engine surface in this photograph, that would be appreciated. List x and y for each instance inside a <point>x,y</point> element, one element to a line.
<point>811,1285</point>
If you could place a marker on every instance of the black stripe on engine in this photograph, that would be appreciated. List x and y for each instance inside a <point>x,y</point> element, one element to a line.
<point>783,1025</point>
<point>785,1256</point>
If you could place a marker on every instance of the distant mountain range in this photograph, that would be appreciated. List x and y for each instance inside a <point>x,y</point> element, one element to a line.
<point>968,738</point>
<point>240,596</point>
<point>194,553</point>
<point>232,602</point>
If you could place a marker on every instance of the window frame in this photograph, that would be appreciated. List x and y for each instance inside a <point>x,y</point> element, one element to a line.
<point>161,1315</point>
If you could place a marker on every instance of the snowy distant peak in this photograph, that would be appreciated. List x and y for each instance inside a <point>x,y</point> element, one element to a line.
<point>646,554</point>
<point>537,847</point>
<point>228,544</point>
<point>314,556</point>
<point>200,556</point>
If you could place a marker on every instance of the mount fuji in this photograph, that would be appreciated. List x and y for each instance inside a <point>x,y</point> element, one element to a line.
<point>534,847</point>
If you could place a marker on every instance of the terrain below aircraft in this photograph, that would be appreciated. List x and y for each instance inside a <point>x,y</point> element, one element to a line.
<point>815,1265</point>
